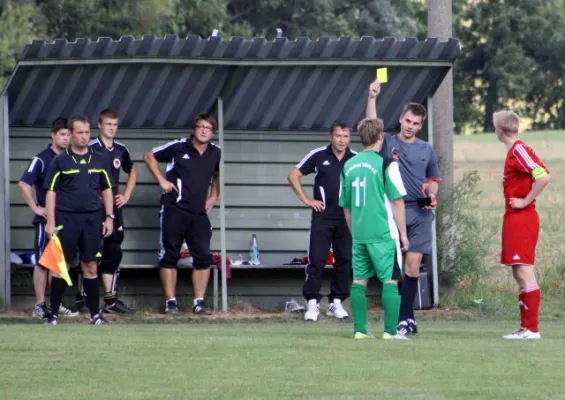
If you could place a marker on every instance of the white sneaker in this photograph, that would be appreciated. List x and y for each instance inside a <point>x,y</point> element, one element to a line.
<point>336,310</point>
<point>388,336</point>
<point>403,329</point>
<point>40,311</point>
<point>523,333</point>
<point>65,312</point>
<point>312,311</point>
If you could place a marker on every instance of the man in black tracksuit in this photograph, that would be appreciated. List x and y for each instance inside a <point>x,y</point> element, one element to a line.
<point>328,228</point>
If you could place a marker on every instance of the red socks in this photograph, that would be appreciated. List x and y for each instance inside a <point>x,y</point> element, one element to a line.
<point>522,306</point>
<point>529,301</point>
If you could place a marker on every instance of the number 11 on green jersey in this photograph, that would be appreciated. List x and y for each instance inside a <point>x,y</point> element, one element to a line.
<point>368,184</point>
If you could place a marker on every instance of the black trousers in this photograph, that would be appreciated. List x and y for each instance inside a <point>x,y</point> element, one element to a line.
<point>326,233</point>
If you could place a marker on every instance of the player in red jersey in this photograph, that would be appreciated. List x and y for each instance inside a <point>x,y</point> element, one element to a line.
<point>525,176</point>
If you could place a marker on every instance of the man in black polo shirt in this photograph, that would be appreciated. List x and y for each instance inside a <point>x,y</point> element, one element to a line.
<point>73,182</point>
<point>193,166</point>
<point>118,159</point>
<point>34,177</point>
<point>328,228</point>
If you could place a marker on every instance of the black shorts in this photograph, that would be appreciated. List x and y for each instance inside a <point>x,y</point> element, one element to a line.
<point>81,233</point>
<point>40,240</point>
<point>178,225</point>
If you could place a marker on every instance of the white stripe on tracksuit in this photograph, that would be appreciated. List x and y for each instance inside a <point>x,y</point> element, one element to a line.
<point>161,245</point>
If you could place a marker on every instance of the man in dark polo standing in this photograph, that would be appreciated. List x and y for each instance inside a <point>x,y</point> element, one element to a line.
<point>72,183</point>
<point>34,177</point>
<point>193,166</point>
<point>119,159</point>
<point>328,228</point>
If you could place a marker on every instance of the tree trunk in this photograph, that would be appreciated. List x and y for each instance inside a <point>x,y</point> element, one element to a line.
<point>440,17</point>
<point>491,101</point>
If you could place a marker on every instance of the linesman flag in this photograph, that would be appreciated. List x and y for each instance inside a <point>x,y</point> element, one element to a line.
<point>53,258</point>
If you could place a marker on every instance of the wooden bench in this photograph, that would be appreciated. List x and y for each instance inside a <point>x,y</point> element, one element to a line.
<point>215,272</point>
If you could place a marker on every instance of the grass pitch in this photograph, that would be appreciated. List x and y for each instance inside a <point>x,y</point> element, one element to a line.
<point>251,360</point>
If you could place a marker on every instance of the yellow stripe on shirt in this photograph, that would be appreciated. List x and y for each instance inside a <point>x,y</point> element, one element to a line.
<point>52,187</point>
<point>102,171</point>
<point>70,171</point>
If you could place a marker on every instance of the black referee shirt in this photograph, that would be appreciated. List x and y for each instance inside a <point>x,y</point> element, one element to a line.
<point>327,167</point>
<point>118,158</point>
<point>77,179</point>
<point>190,171</point>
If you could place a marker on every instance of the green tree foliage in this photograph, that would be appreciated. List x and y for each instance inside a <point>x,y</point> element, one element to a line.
<point>72,19</point>
<point>201,17</point>
<point>317,18</point>
<point>510,58</point>
<point>20,23</point>
<point>513,51</point>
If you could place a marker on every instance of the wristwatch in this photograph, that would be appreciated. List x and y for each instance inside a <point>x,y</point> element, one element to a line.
<point>110,216</point>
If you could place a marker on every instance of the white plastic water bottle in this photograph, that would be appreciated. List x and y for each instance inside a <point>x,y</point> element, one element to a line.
<point>254,250</point>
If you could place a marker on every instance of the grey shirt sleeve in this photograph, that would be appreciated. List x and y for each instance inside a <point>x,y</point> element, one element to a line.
<point>432,170</point>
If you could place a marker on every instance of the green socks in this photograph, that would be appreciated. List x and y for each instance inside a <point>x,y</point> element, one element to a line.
<point>359,307</point>
<point>391,306</point>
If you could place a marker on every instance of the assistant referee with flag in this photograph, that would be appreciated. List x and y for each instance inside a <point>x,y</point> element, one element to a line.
<point>72,187</point>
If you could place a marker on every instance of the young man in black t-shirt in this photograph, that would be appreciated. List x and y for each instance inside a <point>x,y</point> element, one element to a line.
<point>118,159</point>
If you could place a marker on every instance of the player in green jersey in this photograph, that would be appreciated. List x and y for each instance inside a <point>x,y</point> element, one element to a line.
<point>371,196</point>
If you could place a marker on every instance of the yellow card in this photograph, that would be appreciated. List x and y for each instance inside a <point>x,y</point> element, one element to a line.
<point>382,75</point>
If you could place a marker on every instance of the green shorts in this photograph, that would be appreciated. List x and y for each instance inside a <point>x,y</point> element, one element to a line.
<point>380,259</point>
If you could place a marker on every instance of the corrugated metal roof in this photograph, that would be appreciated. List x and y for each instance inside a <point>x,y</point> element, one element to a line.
<point>265,85</point>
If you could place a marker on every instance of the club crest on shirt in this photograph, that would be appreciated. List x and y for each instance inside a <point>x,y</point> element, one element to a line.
<point>117,163</point>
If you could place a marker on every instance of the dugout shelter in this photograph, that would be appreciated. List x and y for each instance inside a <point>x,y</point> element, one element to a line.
<point>274,101</point>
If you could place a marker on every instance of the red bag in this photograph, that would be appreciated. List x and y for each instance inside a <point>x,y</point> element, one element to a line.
<point>218,262</point>
<point>330,260</point>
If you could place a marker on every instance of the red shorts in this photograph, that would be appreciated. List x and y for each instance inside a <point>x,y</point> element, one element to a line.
<point>520,231</point>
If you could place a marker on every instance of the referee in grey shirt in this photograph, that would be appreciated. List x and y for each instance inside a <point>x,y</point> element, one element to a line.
<point>420,173</point>
<point>328,228</point>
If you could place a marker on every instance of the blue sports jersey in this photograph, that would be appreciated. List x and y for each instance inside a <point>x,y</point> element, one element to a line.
<point>34,176</point>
